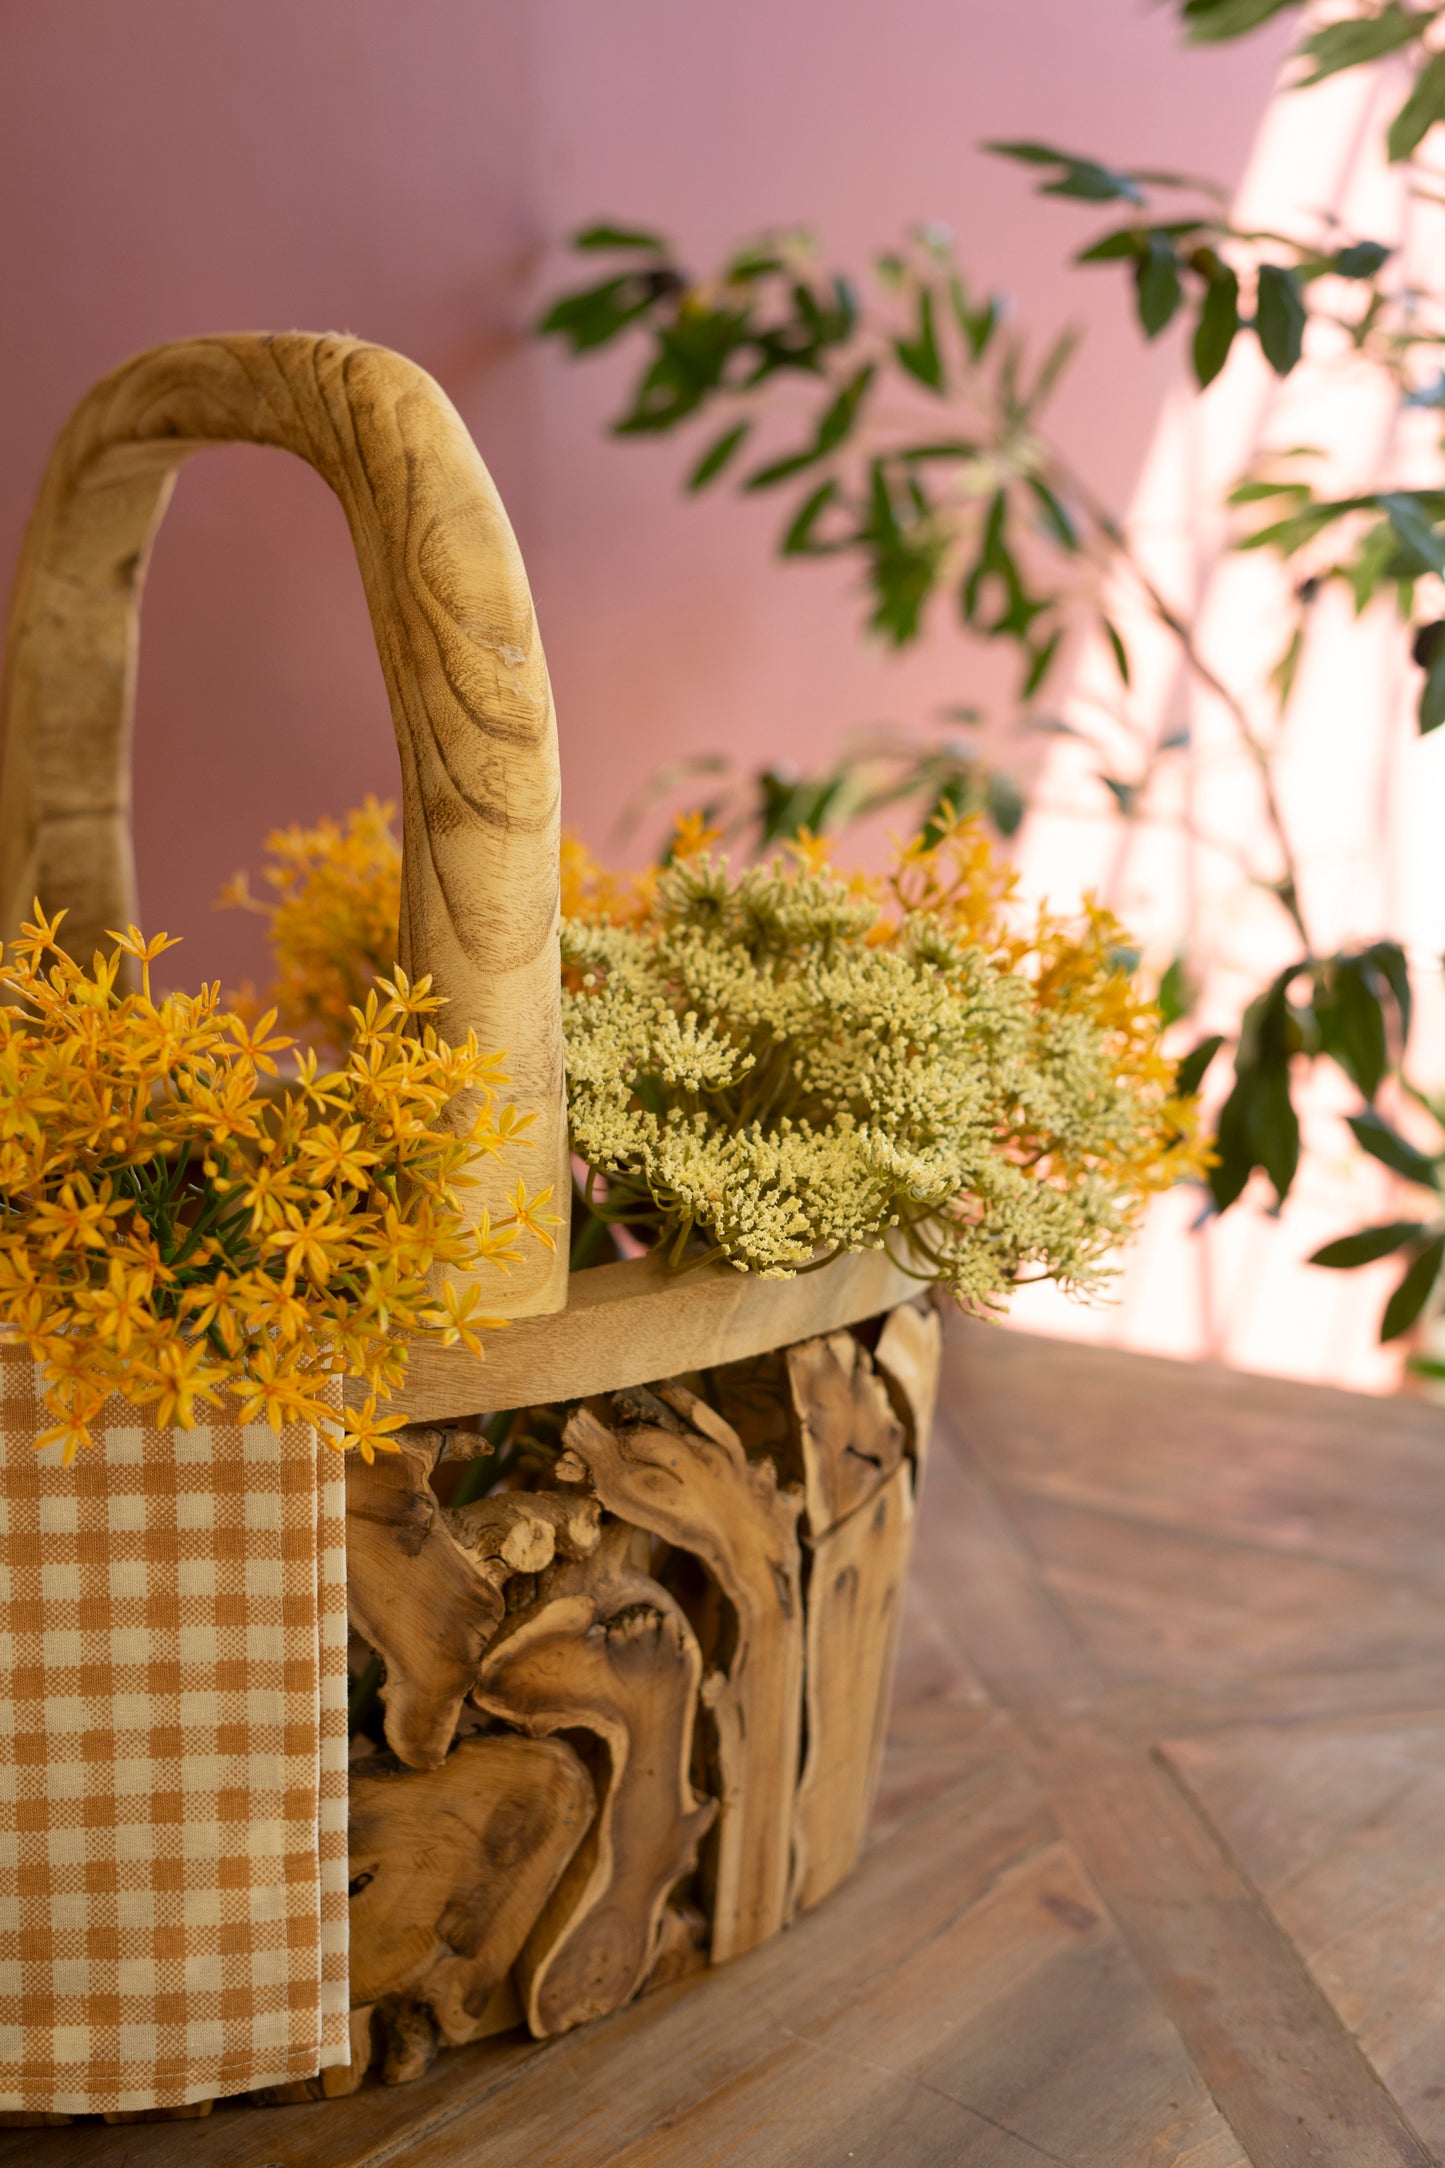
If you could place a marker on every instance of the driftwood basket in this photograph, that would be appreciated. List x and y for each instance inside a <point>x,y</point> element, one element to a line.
<point>633,1704</point>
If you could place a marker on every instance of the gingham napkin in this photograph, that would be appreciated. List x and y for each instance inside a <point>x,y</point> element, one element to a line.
<point>172,1760</point>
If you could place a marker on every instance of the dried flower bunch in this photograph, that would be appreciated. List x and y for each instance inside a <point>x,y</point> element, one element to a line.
<point>775,1066</point>
<point>174,1225</point>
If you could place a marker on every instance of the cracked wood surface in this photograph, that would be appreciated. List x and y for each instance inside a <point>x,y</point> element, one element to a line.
<point>1154,1874</point>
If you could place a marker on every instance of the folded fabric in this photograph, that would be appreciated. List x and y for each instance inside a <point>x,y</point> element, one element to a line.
<point>173,1912</point>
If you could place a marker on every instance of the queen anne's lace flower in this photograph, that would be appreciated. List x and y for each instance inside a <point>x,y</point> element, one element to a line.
<point>776,1066</point>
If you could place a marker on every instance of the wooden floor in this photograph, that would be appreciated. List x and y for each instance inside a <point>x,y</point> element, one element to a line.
<point>1158,1870</point>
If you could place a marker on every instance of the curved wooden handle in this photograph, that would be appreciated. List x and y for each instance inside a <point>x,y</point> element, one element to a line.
<point>459,649</point>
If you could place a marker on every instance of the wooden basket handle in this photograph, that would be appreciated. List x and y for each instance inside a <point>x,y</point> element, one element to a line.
<point>459,649</point>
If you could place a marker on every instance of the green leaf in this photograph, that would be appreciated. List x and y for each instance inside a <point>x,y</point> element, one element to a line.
<point>1157,286</point>
<point>1176,995</point>
<point>1005,804</point>
<point>1274,1125</point>
<point>717,455</point>
<point>1279,317</point>
<point>1218,323</point>
<point>782,470</point>
<point>1117,648</point>
<point>1209,22</point>
<point>1388,958</point>
<point>798,541</point>
<point>755,261</point>
<point>1413,1292</point>
<point>1083,179</point>
<point>605,236</point>
<point>1052,368</point>
<point>978,325</point>
<point>1351,1021</point>
<point>1367,1246</point>
<point>919,355</point>
<point>1283,675</point>
<point>1258,492</point>
<point>1354,42</point>
<point>1057,519</point>
<point>1126,242</point>
<point>693,350</point>
<point>839,418</point>
<point>1234,1159</point>
<point>596,314</point>
<point>1360,259</point>
<point>1418,115</point>
<point>1432,694</point>
<point>1040,663</point>
<point>1374,1135</point>
<point>1415,528</point>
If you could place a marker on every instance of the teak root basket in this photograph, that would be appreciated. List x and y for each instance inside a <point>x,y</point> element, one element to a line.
<point>634,1719</point>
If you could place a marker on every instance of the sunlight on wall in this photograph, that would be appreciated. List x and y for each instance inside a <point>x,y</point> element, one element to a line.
<point>1363,795</point>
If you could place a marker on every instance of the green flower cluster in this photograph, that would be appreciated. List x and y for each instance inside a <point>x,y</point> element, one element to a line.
<point>766,1069</point>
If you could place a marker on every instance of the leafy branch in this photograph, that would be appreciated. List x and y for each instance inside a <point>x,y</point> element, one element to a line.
<point>904,431</point>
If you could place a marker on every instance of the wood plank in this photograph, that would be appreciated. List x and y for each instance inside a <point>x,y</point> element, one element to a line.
<point>627,1324</point>
<point>1291,2080</point>
<point>1165,1602</point>
<point>1262,2036</point>
<point>854,1610</point>
<point>1339,1828</point>
<point>643,2073</point>
<point>1019,2034</point>
<point>1272,1462</point>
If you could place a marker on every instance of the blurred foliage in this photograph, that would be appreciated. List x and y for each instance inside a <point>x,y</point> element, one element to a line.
<point>874,772</point>
<point>865,468</point>
<point>1354,37</point>
<point>902,428</point>
<point>1231,278</point>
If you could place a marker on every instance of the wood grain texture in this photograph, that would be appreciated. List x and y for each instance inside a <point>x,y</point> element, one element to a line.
<point>450,1869</point>
<point>907,1358</point>
<point>425,1604</point>
<point>1338,1825</point>
<point>457,638</point>
<point>856,1578</point>
<point>850,1439</point>
<point>604,1650</point>
<point>679,1471</point>
<point>631,1323</point>
<point>1115,1909</point>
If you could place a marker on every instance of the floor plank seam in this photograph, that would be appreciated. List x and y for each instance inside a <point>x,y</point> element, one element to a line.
<point>925,2085</point>
<point>1334,2025</point>
<point>1007,1487</point>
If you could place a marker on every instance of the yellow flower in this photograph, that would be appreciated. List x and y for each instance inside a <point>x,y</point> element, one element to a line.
<point>76,1218</point>
<point>527,1215</point>
<point>172,1230</point>
<point>368,1433</point>
<point>338,1155</point>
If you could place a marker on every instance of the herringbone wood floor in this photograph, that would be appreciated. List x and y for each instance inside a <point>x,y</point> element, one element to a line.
<point>1157,1878</point>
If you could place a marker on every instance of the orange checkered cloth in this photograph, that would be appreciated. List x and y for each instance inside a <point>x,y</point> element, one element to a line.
<point>173,1916</point>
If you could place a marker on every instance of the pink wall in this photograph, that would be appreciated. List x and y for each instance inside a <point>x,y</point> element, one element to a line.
<point>408,173</point>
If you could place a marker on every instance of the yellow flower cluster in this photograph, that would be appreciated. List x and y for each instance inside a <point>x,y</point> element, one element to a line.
<point>333,922</point>
<point>775,1066</point>
<point>175,1222</point>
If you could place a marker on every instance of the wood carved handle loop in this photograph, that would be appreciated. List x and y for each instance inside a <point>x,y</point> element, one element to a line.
<point>459,650</point>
